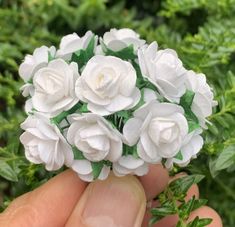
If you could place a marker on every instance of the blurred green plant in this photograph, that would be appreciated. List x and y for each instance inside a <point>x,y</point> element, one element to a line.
<point>201,31</point>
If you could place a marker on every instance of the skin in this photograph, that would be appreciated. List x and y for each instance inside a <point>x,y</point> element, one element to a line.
<point>67,201</point>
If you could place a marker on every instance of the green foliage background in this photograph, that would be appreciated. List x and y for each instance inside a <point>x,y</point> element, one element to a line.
<point>201,31</point>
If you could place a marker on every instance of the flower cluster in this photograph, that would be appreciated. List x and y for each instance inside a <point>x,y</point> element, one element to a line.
<point>111,103</point>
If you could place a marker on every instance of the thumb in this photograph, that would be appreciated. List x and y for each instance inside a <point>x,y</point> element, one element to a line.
<point>116,202</point>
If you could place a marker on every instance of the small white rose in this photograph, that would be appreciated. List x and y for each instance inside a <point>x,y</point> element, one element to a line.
<point>130,165</point>
<point>34,62</point>
<point>72,43</point>
<point>117,39</point>
<point>192,144</point>
<point>45,144</point>
<point>84,170</point>
<point>159,129</point>
<point>95,138</point>
<point>203,99</point>
<point>54,87</point>
<point>164,69</point>
<point>108,85</point>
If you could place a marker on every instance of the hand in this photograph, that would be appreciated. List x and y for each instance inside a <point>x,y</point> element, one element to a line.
<point>67,201</point>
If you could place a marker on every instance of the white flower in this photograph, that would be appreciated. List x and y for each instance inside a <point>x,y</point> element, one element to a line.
<point>95,137</point>
<point>72,43</point>
<point>27,90</point>
<point>164,69</point>
<point>108,85</point>
<point>54,87</point>
<point>203,99</point>
<point>36,61</point>
<point>84,170</point>
<point>130,165</point>
<point>192,144</point>
<point>118,39</point>
<point>159,129</point>
<point>44,143</point>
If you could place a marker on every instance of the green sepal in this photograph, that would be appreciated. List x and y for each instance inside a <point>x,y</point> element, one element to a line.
<point>126,53</point>
<point>186,102</point>
<point>78,155</point>
<point>96,169</point>
<point>130,150</point>
<point>179,156</point>
<point>81,57</point>
<point>50,57</point>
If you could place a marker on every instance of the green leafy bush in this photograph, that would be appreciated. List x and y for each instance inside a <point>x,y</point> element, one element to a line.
<point>201,31</point>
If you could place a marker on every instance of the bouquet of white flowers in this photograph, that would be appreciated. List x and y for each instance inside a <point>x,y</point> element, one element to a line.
<point>111,103</point>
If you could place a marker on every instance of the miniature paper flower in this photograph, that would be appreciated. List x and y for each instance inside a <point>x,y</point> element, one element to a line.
<point>84,170</point>
<point>108,85</point>
<point>54,87</point>
<point>192,144</point>
<point>95,138</point>
<point>130,165</point>
<point>72,43</point>
<point>118,39</point>
<point>36,61</point>
<point>164,69</point>
<point>44,143</point>
<point>159,129</point>
<point>203,99</point>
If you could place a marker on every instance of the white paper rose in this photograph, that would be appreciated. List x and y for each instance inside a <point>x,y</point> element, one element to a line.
<point>84,170</point>
<point>72,43</point>
<point>44,143</point>
<point>164,69</point>
<point>36,61</point>
<point>54,87</point>
<point>159,129</point>
<point>203,99</point>
<point>118,39</point>
<point>130,165</point>
<point>95,138</point>
<point>108,85</point>
<point>192,144</point>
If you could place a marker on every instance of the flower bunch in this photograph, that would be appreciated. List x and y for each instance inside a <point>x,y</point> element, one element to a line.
<point>111,103</point>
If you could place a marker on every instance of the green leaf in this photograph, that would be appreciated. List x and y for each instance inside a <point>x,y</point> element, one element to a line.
<point>78,155</point>
<point>179,156</point>
<point>166,209</point>
<point>186,102</point>
<point>199,203</point>
<point>96,168</point>
<point>81,57</point>
<point>181,185</point>
<point>226,158</point>
<point>199,222</point>
<point>7,172</point>
<point>186,208</point>
<point>126,53</point>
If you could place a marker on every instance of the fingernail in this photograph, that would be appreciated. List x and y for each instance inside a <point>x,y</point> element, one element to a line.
<point>116,202</point>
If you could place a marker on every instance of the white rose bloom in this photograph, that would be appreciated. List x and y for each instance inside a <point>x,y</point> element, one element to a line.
<point>54,87</point>
<point>117,39</point>
<point>203,100</point>
<point>159,129</point>
<point>95,137</point>
<point>130,165</point>
<point>72,43</point>
<point>108,85</point>
<point>84,170</point>
<point>192,144</point>
<point>164,69</point>
<point>44,143</point>
<point>36,61</point>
